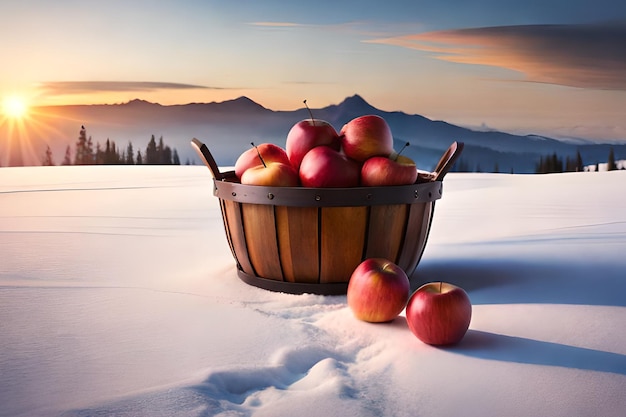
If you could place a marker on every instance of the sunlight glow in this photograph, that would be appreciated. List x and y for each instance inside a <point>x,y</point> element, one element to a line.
<point>14,107</point>
<point>23,132</point>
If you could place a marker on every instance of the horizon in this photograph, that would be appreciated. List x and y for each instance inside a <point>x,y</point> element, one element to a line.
<point>481,128</point>
<point>129,125</point>
<point>552,69</point>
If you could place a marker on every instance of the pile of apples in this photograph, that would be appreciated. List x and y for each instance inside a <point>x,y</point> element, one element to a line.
<point>362,154</point>
<point>437,313</point>
<point>315,155</point>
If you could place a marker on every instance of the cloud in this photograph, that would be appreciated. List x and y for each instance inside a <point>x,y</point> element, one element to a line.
<point>81,87</point>
<point>275,24</point>
<point>585,55</point>
<point>362,28</point>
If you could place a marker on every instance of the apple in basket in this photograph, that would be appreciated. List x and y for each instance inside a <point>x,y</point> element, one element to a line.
<point>366,136</point>
<point>273,173</point>
<point>250,158</point>
<point>324,167</point>
<point>378,290</point>
<point>439,313</point>
<point>307,134</point>
<point>396,169</point>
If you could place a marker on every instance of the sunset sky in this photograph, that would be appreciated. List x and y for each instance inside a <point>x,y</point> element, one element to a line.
<point>553,67</point>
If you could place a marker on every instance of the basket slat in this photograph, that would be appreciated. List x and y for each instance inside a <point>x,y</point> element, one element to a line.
<point>259,225</point>
<point>342,241</point>
<point>386,231</point>
<point>232,211</point>
<point>297,229</point>
<point>417,228</point>
<point>424,229</point>
<point>227,229</point>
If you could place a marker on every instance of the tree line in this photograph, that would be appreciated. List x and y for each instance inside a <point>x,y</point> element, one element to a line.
<point>88,153</point>
<point>553,163</point>
<point>547,164</point>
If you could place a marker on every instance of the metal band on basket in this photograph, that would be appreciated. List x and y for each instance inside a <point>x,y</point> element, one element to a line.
<point>328,197</point>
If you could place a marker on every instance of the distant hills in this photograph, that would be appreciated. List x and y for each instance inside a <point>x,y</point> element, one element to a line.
<point>228,127</point>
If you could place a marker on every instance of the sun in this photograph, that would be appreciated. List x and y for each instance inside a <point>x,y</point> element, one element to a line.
<point>14,107</point>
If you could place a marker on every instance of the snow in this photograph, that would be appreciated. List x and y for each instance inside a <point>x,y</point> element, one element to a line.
<point>119,296</point>
<point>604,166</point>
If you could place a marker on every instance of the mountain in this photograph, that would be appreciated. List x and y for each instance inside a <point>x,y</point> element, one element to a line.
<point>228,127</point>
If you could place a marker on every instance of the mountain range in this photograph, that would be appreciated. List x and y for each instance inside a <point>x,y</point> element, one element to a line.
<point>229,127</point>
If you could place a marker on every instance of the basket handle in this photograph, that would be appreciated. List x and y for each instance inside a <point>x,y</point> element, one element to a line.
<point>207,158</point>
<point>447,160</point>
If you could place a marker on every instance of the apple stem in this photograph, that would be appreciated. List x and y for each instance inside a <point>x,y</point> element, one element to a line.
<point>310,113</point>
<point>395,155</point>
<point>440,285</point>
<point>259,153</point>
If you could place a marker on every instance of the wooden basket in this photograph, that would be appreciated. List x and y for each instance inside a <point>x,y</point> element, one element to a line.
<point>310,240</point>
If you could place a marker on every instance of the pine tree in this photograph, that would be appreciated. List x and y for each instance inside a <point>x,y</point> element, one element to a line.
<point>579,162</point>
<point>550,164</point>
<point>160,151</point>
<point>139,158</point>
<point>107,152</point>
<point>540,166</point>
<point>67,160</point>
<point>166,156</point>
<point>152,156</point>
<point>570,164</point>
<point>114,156</point>
<point>89,156</point>
<point>130,154</point>
<point>611,166</point>
<point>99,157</point>
<point>175,158</point>
<point>554,163</point>
<point>47,159</point>
<point>80,157</point>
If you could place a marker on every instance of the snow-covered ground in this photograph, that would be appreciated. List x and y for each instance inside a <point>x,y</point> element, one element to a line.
<point>119,296</point>
<point>604,166</point>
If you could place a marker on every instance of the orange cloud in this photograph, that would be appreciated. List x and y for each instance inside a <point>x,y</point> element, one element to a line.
<point>586,56</point>
<point>80,87</point>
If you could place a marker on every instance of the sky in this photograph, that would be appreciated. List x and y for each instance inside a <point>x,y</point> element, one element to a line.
<point>553,67</point>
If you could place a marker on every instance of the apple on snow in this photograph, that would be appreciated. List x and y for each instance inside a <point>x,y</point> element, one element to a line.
<point>378,290</point>
<point>439,313</point>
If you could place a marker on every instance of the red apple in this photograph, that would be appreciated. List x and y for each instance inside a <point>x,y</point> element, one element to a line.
<point>379,171</point>
<point>250,158</point>
<point>323,166</point>
<point>306,135</point>
<point>276,174</point>
<point>439,313</point>
<point>366,136</point>
<point>378,290</point>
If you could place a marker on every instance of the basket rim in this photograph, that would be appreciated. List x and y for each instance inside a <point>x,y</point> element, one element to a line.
<point>328,197</point>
